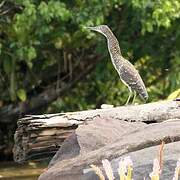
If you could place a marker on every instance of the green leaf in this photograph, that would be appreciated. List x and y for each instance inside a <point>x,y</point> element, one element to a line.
<point>31,54</point>
<point>174,95</point>
<point>21,93</point>
<point>58,43</point>
<point>7,65</point>
<point>29,64</point>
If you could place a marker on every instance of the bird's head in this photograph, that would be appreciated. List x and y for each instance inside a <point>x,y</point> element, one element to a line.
<point>103,29</point>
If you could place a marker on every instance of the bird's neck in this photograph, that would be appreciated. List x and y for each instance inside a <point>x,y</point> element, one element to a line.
<point>114,50</point>
<point>113,45</point>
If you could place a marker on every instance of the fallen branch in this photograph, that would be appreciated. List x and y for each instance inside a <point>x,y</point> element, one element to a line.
<point>40,136</point>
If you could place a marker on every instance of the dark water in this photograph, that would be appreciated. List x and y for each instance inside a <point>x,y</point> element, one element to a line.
<point>14,171</point>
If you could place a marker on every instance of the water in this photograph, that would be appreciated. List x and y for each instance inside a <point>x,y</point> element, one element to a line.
<point>14,171</point>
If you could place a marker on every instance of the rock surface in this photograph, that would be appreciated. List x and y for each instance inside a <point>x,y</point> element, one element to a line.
<point>143,163</point>
<point>112,139</point>
<point>92,136</point>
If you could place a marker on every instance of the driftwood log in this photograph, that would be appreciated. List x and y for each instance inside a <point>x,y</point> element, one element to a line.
<point>40,136</point>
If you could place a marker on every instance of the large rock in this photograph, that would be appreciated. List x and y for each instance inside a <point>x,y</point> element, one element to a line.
<point>92,136</point>
<point>128,139</point>
<point>143,163</point>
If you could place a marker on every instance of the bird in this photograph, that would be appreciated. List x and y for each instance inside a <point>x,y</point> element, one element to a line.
<point>127,72</point>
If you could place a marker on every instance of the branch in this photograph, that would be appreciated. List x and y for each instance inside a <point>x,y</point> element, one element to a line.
<point>45,133</point>
<point>12,111</point>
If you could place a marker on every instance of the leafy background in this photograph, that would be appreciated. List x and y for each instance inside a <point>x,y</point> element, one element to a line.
<point>43,42</point>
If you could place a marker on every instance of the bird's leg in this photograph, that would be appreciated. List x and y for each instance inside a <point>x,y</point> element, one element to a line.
<point>130,94</point>
<point>134,97</point>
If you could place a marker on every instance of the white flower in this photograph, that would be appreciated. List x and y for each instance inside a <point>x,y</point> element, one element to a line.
<point>125,168</point>
<point>156,170</point>
<point>177,170</point>
<point>128,161</point>
<point>108,169</point>
<point>122,167</point>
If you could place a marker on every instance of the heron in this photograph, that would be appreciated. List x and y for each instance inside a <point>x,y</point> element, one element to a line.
<point>127,72</point>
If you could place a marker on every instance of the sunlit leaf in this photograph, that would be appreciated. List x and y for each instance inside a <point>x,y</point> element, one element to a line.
<point>174,95</point>
<point>31,53</point>
<point>21,93</point>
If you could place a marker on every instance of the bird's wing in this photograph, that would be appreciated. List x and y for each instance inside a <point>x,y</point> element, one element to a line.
<point>132,79</point>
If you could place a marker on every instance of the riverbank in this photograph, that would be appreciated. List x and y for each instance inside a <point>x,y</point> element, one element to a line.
<point>10,170</point>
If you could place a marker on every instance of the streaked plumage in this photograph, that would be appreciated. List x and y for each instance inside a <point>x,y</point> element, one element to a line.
<point>127,72</point>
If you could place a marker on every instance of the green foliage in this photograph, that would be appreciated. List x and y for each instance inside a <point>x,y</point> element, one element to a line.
<point>174,95</point>
<point>7,65</point>
<point>21,93</point>
<point>36,35</point>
